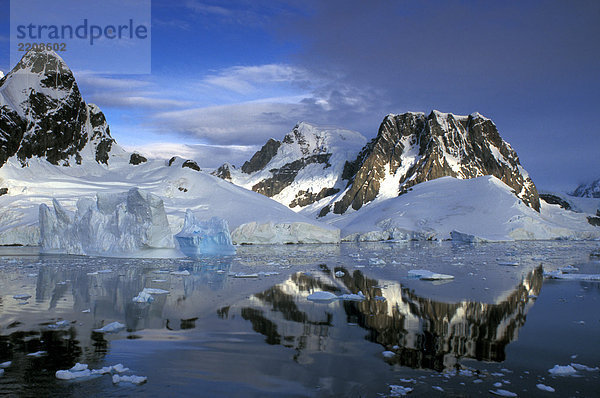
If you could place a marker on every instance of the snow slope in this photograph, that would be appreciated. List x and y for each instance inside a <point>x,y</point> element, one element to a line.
<point>180,188</point>
<point>483,207</point>
<point>308,161</point>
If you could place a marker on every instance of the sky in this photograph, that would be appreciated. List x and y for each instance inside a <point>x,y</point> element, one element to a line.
<point>228,75</point>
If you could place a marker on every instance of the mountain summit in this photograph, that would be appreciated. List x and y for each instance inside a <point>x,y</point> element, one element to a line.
<point>412,148</point>
<point>42,114</point>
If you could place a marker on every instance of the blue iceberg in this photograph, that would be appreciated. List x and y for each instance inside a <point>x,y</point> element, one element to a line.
<point>200,238</point>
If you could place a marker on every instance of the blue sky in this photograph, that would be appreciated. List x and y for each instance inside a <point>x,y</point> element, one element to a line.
<point>227,75</point>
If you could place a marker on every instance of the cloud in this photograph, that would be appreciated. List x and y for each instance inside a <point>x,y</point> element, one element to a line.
<point>207,156</point>
<point>207,9</point>
<point>143,100</point>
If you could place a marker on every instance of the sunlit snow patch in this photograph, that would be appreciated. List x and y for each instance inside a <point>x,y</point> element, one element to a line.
<point>198,238</point>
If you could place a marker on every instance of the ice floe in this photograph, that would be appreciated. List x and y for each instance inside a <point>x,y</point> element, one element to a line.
<point>503,393</point>
<point>571,277</point>
<point>6,364</point>
<point>388,354</point>
<point>112,327</point>
<point>129,379</point>
<point>426,275</point>
<point>559,370</point>
<point>544,387</point>
<point>399,391</point>
<point>22,296</point>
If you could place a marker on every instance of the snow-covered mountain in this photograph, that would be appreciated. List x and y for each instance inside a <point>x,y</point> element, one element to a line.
<point>42,114</point>
<point>303,168</point>
<point>591,190</point>
<point>413,148</point>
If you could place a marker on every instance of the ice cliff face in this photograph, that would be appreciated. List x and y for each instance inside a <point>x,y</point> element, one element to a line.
<point>412,148</point>
<point>42,114</point>
<point>591,190</point>
<point>303,168</point>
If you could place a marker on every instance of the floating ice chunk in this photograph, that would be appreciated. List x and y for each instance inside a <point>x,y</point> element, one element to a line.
<point>352,297</point>
<point>37,354</point>
<point>78,367</point>
<point>5,364</point>
<point>399,391</point>
<point>572,277</point>
<point>579,366</point>
<point>59,324</point>
<point>112,327</point>
<point>181,273</point>
<point>428,275</point>
<point>544,387</point>
<point>376,261</point>
<point>438,388</point>
<point>102,371</point>
<point>508,263</point>
<point>267,273</point>
<point>119,368</point>
<point>339,274</point>
<point>566,370</point>
<point>152,290</point>
<point>158,280</point>
<point>503,393</point>
<point>388,354</point>
<point>244,276</point>
<point>70,375</point>
<point>129,379</point>
<point>160,272</point>
<point>199,238</point>
<point>569,268</point>
<point>22,296</point>
<point>322,296</point>
<point>87,311</point>
<point>497,384</point>
<point>143,297</point>
<point>477,381</point>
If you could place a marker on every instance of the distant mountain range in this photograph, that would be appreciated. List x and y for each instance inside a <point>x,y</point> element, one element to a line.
<point>330,181</point>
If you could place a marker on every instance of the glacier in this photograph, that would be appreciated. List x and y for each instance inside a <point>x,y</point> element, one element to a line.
<point>198,238</point>
<point>112,225</point>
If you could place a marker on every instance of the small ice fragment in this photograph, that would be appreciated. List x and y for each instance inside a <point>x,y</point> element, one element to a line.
<point>399,391</point>
<point>244,276</point>
<point>438,388</point>
<point>544,387</point>
<point>143,297</point>
<point>503,393</point>
<point>161,272</point>
<point>37,354</point>
<point>573,356</point>
<point>497,384</point>
<point>105,271</point>
<point>129,379</point>
<point>78,367</point>
<point>408,380</point>
<point>5,364</point>
<point>477,381</point>
<point>339,274</point>
<point>87,311</point>
<point>352,297</point>
<point>465,372</point>
<point>151,290</point>
<point>566,370</point>
<point>92,273</point>
<point>322,296</point>
<point>119,368</point>
<point>113,327</point>
<point>376,261</point>
<point>428,275</point>
<point>497,374</point>
<point>159,280</point>
<point>61,324</point>
<point>579,366</point>
<point>22,296</point>
<point>32,275</point>
<point>102,371</point>
<point>508,263</point>
<point>69,375</point>
<point>388,354</point>
<point>181,273</point>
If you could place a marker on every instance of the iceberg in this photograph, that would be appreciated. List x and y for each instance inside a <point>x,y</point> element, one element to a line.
<point>426,275</point>
<point>113,224</point>
<point>199,238</point>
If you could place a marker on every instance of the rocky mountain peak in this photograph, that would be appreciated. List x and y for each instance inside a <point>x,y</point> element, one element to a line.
<point>42,114</point>
<point>412,148</point>
<point>591,190</point>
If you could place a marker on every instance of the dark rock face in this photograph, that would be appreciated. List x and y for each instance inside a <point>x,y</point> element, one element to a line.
<point>43,115</point>
<point>190,164</point>
<point>223,172</point>
<point>305,198</point>
<point>172,160</point>
<point>555,200</point>
<point>588,190</point>
<point>285,175</point>
<point>422,148</point>
<point>3,191</point>
<point>136,159</point>
<point>595,221</point>
<point>262,157</point>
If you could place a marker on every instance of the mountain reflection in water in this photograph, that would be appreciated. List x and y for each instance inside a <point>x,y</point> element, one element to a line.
<point>423,333</point>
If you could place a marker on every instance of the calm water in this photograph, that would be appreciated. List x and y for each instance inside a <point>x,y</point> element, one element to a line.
<point>221,331</point>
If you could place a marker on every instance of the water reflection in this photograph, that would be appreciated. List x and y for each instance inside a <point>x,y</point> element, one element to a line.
<point>423,333</point>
